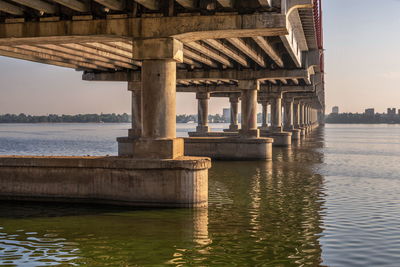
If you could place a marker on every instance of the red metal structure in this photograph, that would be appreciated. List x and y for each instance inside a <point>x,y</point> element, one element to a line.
<point>319,29</point>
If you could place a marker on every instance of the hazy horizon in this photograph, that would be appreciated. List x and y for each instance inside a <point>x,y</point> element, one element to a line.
<point>362,71</point>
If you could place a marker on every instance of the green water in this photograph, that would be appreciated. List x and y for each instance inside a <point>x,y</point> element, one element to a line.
<point>333,201</point>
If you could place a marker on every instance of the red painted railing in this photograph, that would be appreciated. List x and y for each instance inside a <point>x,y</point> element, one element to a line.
<point>319,30</point>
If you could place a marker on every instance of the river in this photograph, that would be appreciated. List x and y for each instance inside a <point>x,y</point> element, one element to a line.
<point>332,201</point>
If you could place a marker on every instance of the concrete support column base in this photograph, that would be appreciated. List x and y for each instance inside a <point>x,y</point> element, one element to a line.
<point>150,148</point>
<point>179,183</point>
<point>275,129</point>
<point>253,133</point>
<point>232,128</point>
<point>229,148</point>
<point>296,134</point>
<point>202,129</point>
<point>283,139</point>
<point>302,132</point>
<point>134,133</point>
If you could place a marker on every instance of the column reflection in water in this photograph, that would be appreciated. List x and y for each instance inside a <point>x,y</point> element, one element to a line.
<point>260,214</point>
<point>272,211</point>
<point>42,235</point>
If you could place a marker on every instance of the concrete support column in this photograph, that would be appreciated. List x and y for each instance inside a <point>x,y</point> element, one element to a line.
<point>276,112</point>
<point>311,115</point>
<point>234,126</point>
<point>321,116</point>
<point>159,99</point>
<point>264,115</point>
<point>288,123</point>
<point>302,121</point>
<point>202,100</point>
<point>136,89</point>
<point>249,108</point>
<point>296,114</point>
<point>158,139</point>
<point>306,122</point>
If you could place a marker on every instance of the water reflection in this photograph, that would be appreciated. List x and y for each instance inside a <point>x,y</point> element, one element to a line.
<point>91,236</point>
<point>260,214</point>
<point>275,213</point>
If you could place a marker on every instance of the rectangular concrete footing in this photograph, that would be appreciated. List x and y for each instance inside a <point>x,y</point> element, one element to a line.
<point>282,139</point>
<point>296,134</point>
<point>178,183</point>
<point>223,148</point>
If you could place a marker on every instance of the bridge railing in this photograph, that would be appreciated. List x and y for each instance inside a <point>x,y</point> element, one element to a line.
<point>319,30</point>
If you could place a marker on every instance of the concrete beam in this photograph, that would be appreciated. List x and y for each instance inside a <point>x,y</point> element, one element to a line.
<point>85,54</point>
<point>242,74</point>
<point>292,5</point>
<point>236,88</point>
<point>190,4</point>
<point>210,53</point>
<point>211,75</point>
<point>46,58</point>
<point>227,51</point>
<point>11,9</point>
<point>112,56</point>
<point>197,57</point>
<point>226,3</point>
<point>226,95</point>
<point>265,3</point>
<point>247,50</point>
<point>68,56</point>
<point>269,50</point>
<point>39,5</point>
<point>185,29</point>
<point>35,58</point>
<point>150,4</point>
<point>74,5</point>
<point>112,4</point>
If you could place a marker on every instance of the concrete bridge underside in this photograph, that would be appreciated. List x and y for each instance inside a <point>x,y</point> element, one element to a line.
<point>256,51</point>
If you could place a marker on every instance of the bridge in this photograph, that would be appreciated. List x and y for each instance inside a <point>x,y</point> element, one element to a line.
<point>267,52</point>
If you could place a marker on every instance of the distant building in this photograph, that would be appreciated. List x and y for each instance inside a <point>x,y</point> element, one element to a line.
<point>226,113</point>
<point>335,110</point>
<point>370,112</point>
<point>391,111</point>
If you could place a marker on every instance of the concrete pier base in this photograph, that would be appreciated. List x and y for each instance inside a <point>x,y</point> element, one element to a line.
<point>150,149</point>
<point>281,139</point>
<point>302,132</point>
<point>214,134</point>
<point>180,183</point>
<point>222,148</point>
<point>296,134</point>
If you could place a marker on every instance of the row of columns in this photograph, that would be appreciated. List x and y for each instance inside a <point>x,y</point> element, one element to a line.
<point>154,99</point>
<point>297,114</point>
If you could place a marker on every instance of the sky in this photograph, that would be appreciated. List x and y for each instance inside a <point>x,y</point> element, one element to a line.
<point>362,43</point>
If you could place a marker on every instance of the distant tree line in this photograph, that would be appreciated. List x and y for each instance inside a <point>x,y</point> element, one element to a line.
<point>52,118</point>
<point>98,118</point>
<point>362,118</point>
<point>217,118</point>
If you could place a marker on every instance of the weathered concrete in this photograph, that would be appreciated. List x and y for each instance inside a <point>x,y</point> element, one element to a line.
<point>223,148</point>
<point>296,134</point>
<point>264,122</point>
<point>234,125</point>
<point>136,89</point>
<point>158,101</point>
<point>202,100</point>
<point>214,134</point>
<point>276,112</point>
<point>281,139</point>
<point>182,182</point>
<point>302,132</point>
<point>249,108</point>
